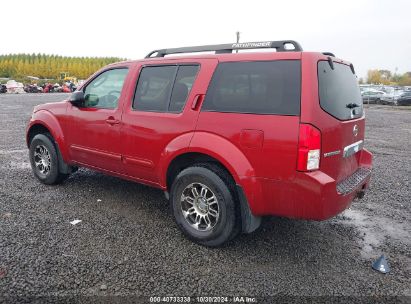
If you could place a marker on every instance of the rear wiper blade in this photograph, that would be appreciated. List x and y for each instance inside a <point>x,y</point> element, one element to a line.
<point>352,105</point>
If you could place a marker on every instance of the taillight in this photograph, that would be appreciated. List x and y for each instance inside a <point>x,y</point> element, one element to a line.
<point>309,148</point>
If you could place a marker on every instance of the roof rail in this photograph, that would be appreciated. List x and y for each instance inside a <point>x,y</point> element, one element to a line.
<point>280,46</point>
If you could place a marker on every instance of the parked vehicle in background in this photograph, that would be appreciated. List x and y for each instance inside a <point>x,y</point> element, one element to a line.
<point>15,87</point>
<point>229,137</point>
<point>391,97</point>
<point>53,88</point>
<point>3,88</point>
<point>66,89</point>
<point>33,88</point>
<point>404,99</point>
<point>69,87</point>
<point>372,96</point>
<point>57,88</point>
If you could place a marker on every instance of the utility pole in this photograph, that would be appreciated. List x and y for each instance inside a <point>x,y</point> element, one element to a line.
<point>238,38</point>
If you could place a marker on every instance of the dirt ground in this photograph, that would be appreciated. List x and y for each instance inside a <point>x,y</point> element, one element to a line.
<point>128,244</point>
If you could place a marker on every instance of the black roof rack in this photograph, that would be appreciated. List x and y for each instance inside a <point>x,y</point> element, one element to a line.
<point>328,54</point>
<point>280,46</point>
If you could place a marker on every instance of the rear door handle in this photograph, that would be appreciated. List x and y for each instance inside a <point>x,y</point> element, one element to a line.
<point>197,101</point>
<point>112,121</point>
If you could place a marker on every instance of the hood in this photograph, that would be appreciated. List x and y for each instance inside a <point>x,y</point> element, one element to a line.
<point>51,106</point>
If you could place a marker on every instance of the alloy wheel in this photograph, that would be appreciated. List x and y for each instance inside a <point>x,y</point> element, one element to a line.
<point>200,206</point>
<point>42,159</point>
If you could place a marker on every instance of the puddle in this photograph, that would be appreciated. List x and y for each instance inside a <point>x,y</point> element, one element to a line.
<point>15,159</point>
<point>369,239</point>
<point>18,165</point>
<point>374,231</point>
<point>14,107</point>
<point>13,151</point>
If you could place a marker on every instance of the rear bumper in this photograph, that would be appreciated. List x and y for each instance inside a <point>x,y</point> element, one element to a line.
<point>313,195</point>
<point>329,198</point>
<point>351,183</point>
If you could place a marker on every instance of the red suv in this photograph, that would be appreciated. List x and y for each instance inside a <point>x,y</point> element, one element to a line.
<point>229,137</point>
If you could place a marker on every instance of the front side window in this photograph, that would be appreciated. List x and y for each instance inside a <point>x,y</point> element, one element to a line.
<point>104,91</point>
<point>260,87</point>
<point>164,88</point>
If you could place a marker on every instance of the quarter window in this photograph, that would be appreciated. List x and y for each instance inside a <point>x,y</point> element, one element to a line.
<point>104,91</point>
<point>260,87</point>
<point>164,88</point>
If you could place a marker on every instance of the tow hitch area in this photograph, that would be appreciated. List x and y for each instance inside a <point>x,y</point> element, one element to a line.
<point>360,194</point>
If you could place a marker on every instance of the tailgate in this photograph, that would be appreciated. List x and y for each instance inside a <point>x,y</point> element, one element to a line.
<point>342,131</point>
<point>341,148</point>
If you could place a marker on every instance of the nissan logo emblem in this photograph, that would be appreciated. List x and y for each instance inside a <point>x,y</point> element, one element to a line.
<point>355,130</point>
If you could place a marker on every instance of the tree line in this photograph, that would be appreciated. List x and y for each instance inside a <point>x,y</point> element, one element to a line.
<point>18,66</point>
<point>386,77</point>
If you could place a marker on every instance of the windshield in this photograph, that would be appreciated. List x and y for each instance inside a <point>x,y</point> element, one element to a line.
<point>339,91</point>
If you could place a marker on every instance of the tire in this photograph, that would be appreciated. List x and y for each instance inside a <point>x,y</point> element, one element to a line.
<point>209,181</point>
<point>44,160</point>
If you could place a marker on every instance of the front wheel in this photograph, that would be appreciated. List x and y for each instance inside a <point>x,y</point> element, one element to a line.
<point>44,160</point>
<point>203,205</point>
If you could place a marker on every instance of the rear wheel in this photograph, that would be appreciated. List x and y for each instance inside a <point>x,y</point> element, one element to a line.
<point>44,160</point>
<point>204,205</point>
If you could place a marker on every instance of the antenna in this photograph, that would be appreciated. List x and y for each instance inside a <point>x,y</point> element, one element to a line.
<point>238,38</point>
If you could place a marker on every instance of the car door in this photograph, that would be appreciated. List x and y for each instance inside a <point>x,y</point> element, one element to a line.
<point>94,128</point>
<point>161,111</point>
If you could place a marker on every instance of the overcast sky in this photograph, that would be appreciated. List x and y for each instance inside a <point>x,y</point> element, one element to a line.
<point>371,34</point>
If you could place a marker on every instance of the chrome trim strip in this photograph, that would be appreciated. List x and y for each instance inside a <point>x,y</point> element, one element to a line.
<point>353,148</point>
<point>332,153</point>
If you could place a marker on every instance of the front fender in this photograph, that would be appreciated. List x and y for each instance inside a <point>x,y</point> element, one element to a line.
<point>50,122</point>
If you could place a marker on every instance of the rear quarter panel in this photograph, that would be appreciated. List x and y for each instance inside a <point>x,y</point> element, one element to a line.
<point>262,149</point>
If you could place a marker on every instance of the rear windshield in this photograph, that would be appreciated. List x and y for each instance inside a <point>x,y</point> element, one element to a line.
<point>339,91</point>
<point>258,87</point>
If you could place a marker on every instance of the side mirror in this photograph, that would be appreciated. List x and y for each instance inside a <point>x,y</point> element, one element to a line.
<point>77,98</point>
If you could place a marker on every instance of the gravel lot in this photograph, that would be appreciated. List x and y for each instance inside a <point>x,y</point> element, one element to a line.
<point>128,244</point>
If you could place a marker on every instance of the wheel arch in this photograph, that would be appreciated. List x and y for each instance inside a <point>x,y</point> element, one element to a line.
<point>204,147</point>
<point>188,159</point>
<point>35,129</point>
<point>45,122</point>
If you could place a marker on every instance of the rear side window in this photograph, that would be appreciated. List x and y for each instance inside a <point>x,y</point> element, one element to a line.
<point>164,88</point>
<point>260,87</point>
<point>182,86</point>
<point>339,92</point>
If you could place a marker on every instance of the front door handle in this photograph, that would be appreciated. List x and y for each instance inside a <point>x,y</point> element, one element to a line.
<point>112,121</point>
